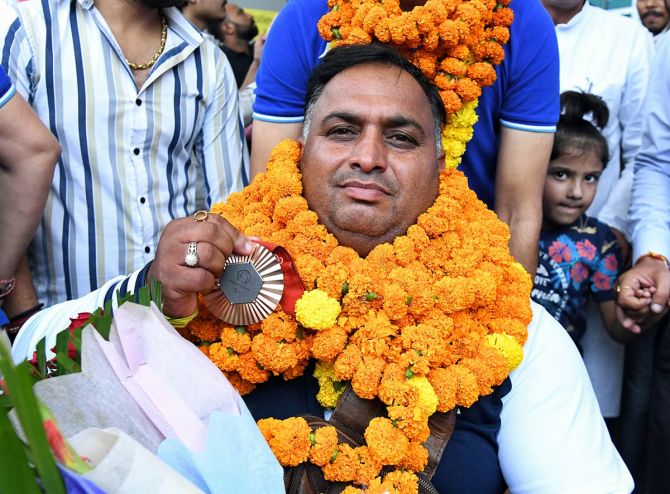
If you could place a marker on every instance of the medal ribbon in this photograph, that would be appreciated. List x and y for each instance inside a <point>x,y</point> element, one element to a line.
<point>293,285</point>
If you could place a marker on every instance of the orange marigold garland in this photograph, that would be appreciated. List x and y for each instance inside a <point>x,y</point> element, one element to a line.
<point>428,323</point>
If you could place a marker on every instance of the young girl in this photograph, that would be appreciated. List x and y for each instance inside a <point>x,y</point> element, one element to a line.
<point>579,256</point>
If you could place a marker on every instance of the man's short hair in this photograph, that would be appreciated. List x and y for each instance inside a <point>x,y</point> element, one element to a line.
<point>347,56</point>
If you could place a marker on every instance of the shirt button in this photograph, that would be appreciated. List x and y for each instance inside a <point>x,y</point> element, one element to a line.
<point>147,249</point>
<point>142,200</point>
<point>138,102</point>
<point>136,151</point>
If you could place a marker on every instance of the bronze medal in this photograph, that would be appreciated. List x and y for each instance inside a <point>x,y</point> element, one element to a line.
<point>249,289</point>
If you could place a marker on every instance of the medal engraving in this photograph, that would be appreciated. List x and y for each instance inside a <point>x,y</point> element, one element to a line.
<point>240,283</point>
<point>249,289</point>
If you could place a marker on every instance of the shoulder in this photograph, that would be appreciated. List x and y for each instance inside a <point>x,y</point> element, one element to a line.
<point>530,19</point>
<point>552,399</point>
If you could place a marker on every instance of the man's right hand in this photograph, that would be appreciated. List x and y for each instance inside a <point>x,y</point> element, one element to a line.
<point>216,240</point>
<point>643,294</point>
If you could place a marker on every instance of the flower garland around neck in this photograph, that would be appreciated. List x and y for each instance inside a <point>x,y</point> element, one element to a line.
<point>456,43</point>
<point>429,322</point>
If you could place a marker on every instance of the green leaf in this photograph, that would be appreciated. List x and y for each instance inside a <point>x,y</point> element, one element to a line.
<point>156,293</point>
<point>345,288</point>
<point>15,474</point>
<point>370,296</point>
<point>143,296</point>
<point>19,386</point>
<point>42,356</point>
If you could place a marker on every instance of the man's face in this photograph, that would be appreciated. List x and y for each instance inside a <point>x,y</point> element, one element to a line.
<point>653,14</point>
<point>370,165</point>
<point>245,25</point>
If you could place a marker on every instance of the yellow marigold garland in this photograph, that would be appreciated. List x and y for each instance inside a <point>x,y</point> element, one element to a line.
<point>433,320</point>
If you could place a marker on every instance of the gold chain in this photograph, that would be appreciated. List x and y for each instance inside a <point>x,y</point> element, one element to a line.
<point>150,63</point>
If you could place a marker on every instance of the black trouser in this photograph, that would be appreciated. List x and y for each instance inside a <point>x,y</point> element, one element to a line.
<point>659,453</point>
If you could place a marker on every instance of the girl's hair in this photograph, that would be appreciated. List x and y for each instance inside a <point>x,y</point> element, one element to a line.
<point>576,132</point>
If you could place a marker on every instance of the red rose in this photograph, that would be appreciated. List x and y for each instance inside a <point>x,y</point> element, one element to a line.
<point>81,319</point>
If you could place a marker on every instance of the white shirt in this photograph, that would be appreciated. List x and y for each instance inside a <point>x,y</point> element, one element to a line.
<point>609,55</point>
<point>132,158</point>
<point>650,206</point>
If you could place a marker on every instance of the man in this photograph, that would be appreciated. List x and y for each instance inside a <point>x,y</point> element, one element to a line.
<point>146,112</point>
<point>374,154</point>
<point>517,115</point>
<point>608,55</point>
<point>235,33</point>
<point>644,289</point>
<point>28,154</point>
<point>654,16</point>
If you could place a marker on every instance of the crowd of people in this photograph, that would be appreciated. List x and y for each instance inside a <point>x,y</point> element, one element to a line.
<point>119,120</point>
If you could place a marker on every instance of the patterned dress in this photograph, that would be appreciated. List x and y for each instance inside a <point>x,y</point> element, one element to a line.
<point>575,262</point>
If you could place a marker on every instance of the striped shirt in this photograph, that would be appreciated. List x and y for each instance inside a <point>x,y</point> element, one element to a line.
<point>132,159</point>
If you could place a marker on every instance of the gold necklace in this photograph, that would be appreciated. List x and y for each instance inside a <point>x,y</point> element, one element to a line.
<point>150,63</point>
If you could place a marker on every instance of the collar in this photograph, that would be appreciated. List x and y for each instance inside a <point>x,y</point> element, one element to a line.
<point>176,22</point>
<point>577,19</point>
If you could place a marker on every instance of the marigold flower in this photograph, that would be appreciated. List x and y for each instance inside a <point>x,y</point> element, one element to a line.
<point>416,458</point>
<point>288,439</point>
<point>316,310</point>
<point>324,445</point>
<point>427,398</point>
<point>279,326</point>
<point>237,339</point>
<point>347,363</point>
<point>242,386</point>
<point>272,355</point>
<point>329,343</point>
<point>365,382</point>
<point>508,347</point>
<point>224,358</point>
<point>387,444</point>
<point>249,369</point>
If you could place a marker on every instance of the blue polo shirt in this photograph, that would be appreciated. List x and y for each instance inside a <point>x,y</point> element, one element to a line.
<point>6,88</point>
<point>525,95</point>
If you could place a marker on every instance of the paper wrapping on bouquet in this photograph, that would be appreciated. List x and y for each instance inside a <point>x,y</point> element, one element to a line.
<point>152,384</point>
<point>122,465</point>
<point>146,380</point>
<point>236,458</point>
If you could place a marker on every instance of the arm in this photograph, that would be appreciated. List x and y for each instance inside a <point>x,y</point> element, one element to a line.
<point>630,117</point>
<point>643,297</point>
<point>28,154</point>
<point>552,437</point>
<point>522,167</point>
<point>265,136</point>
<point>180,284</point>
<point>616,330</point>
<point>253,68</point>
<point>292,50</point>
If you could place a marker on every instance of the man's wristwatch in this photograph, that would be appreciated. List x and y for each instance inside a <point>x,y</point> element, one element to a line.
<point>6,287</point>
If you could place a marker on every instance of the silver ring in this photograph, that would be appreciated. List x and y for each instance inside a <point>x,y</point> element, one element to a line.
<point>191,257</point>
